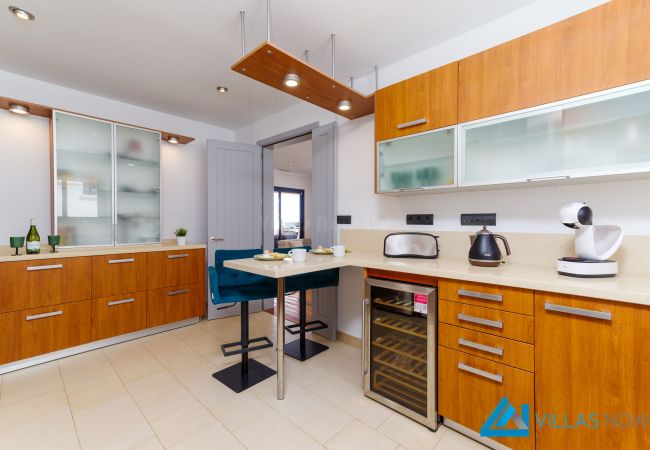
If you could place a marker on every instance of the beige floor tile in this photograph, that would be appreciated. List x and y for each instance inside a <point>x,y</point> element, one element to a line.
<point>193,335</point>
<point>95,395</point>
<point>411,434</point>
<point>346,367</point>
<point>127,354</point>
<point>306,375</point>
<point>271,431</point>
<point>31,382</point>
<point>319,418</point>
<point>29,408</point>
<point>214,437</point>
<point>182,423</point>
<point>145,368</point>
<point>150,444</point>
<point>112,424</point>
<point>240,409</point>
<point>204,387</point>
<point>360,436</point>
<point>351,399</point>
<point>51,430</point>
<point>85,370</point>
<point>159,394</point>
<point>452,440</point>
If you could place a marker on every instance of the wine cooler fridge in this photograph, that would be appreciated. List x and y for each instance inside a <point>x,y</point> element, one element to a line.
<point>399,348</point>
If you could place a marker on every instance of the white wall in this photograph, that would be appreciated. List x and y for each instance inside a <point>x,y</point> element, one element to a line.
<point>25,157</point>
<point>297,181</point>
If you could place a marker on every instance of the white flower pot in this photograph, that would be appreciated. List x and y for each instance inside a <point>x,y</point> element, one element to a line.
<point>181,240</point>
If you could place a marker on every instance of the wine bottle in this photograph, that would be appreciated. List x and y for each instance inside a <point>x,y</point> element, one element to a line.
<point>33,238</point>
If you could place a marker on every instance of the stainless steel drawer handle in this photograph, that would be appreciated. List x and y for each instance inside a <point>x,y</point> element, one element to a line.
<point>477,346</point>
<point>121,302</point>
<point>44,315</point>
<point>481,373</point>
<point>603,315</point>
<point>480,321</point>
<point>481,295</point>
<point>412,123</point>
<point>179,292</point>
<point>182,255</point>
<point>121,261</point>
<point>51,267</point>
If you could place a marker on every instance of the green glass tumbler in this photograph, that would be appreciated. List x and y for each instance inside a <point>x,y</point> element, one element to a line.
<point>17,242</point>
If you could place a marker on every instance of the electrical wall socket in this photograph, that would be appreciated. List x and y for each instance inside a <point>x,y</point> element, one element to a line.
<point>478,219</point>
<point>419,219</point>
<point>344,220</point>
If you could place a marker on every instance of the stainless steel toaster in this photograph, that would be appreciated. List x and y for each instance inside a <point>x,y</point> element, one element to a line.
<point>411,245</point>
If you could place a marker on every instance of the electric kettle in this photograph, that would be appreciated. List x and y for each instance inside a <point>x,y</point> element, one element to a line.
<point>484,250</point>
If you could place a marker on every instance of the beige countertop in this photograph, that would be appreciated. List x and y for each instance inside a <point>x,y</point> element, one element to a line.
<point>624,288</point>
<point>6,253</point>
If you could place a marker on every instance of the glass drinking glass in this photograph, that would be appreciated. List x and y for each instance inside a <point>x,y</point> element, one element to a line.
<point>54,240</point>
<point>17,242</point>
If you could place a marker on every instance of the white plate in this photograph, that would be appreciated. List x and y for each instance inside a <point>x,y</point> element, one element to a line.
<point>267,257</point>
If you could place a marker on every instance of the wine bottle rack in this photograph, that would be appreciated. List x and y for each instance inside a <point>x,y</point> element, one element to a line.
<point>403,345</point>
<point>395,302</point>
<point>403,364</point>
<point>403,326</point>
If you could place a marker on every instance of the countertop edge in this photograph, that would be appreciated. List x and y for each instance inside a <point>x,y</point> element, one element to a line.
<point>99,251</point>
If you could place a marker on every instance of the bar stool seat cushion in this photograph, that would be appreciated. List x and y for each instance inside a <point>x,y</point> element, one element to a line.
<point>231,286</point>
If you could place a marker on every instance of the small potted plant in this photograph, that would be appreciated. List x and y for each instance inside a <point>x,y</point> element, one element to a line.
<point>181,235</point>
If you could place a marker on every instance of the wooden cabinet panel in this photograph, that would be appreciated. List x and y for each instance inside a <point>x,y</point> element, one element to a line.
<point>590,365</point>
<point>495,348</point>
<point>176,303</point>
<point>32,332</point>
<point>121,314</point>
<point>602,48</point>
<point>119,274</point>
<point>432,96</point>
<point>469,398</point>
<point>492,321</point>
<point>31,284</point>
<point>487,295</point>
<point>175,268</point>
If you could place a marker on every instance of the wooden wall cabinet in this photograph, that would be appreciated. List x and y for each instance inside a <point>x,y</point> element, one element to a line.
<point>422,103</point>
<point>587,365</point>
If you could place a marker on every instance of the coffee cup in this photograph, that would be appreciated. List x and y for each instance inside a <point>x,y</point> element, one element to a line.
<point>298,254</point>
<point>338,250</point>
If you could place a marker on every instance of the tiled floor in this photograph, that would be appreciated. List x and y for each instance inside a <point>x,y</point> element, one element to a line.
<point>157,392</point>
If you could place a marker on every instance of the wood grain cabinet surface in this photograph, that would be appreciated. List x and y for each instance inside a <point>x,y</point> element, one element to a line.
<point>602,48</point>
<point>32,332</point>
<point>119,274</point>
<point>172,304</point>
<point>119,314</point>
<point>591,356</point>
<point>487,295</point>
<point>428,101</point>
<point>32,284</point>
<point>175,268</point>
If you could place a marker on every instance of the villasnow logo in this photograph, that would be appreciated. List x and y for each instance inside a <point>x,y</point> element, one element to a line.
<point>496,423</point>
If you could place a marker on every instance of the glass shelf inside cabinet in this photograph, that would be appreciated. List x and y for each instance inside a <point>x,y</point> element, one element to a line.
<point>420,161</point>
<point>601,135</point>
<point>137,177</point>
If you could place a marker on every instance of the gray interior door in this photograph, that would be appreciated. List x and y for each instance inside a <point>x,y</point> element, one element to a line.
<point>234,204</point>
<point>324,174</point>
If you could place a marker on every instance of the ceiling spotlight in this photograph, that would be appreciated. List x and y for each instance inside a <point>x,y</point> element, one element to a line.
<point>222,89</point>
<point>173,140</point>
<point>291,80</point>
<point>21,13</point>
<point>19,109</point>
<point>344,105</point>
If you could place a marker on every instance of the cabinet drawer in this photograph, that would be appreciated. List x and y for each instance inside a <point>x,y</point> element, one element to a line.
<point>495,348</point>
<point>175,268</point>
<point>176,303</point>
<point>121,314</point>
<point>492,321</point>
<point>119,274</point>
<point>469,388</point>
<point>488,295</point>
<point>43,282</point>
<point>32,332</point>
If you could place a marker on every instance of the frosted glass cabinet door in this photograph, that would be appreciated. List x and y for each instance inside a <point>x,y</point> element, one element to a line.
<point>598,135</point>
<point>137,185</point>
<point>419,161</point>
<point>83,187</point>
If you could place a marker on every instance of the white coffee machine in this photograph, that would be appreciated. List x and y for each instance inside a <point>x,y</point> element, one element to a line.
<point>594,244</point>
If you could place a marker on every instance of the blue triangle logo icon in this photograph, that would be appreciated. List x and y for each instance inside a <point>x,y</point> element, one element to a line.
<point>497,424</point>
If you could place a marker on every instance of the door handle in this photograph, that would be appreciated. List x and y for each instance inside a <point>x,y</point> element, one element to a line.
<point>182,255</point>
<point>480,295</point>
<point>216,239</point>
<point>481,373</point>
<point>480,321</point>
<point>603,315</point>
<point>483,347</point>
<point>179,292</point>
<point>365,338</point>
<point>121,302</point>
<point>44,315</point>
<point>412,123</point>
<point>121,261</point>
<point>51,267</point>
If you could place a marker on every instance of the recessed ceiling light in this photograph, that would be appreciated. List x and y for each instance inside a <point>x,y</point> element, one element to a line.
<point>222,89</point>
<point>291,80</point>
<point>344,105</point>
<point>19,109</point>
<point>173,140</point>
<point>21,13</point>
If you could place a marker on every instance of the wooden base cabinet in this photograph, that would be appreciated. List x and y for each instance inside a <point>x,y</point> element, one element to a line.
<point>592,364</point>
<point>175,303</point>
<point>119,274</point>
<point>120,314</point>
<point>32,332</point>
<point>175,268</point>
<point>469,388</point>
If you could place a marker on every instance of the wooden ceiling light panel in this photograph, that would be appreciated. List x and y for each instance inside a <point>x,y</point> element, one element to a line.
<point>34,109</point>
<point>269,64</point>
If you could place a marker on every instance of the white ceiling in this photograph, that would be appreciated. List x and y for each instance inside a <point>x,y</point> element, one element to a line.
<point>169,55</point>
<point>293,156</point>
